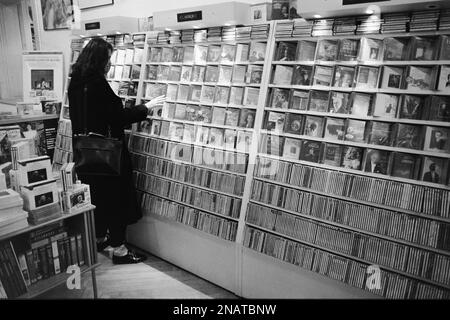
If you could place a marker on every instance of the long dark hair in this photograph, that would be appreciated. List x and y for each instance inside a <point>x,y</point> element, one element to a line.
<point>92,59</point>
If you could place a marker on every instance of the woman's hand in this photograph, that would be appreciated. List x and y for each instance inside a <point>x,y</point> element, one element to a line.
<point>155,102</point>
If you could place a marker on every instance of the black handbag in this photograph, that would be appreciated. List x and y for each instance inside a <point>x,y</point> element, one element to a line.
<point>95,154</point>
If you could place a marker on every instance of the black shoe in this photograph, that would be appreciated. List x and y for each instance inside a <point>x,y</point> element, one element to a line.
<point>130,258</point>
<point>101,246</point>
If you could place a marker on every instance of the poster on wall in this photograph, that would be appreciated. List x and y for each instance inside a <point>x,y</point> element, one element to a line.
<point>42,76</point>
<point>57,14</point>
<point>285,9</point>
<point>87,4</point>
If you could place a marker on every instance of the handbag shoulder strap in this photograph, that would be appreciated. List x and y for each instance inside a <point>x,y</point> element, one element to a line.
<point>84,110</point>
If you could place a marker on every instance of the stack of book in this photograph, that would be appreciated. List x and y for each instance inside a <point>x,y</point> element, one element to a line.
<point>424,21</point>
<point>119,40</point>
<point>229,33</point>
<point>260,31</point>
<point>200,35</point>
<point>444,20</point>
<point>284,29</point>
<point>187,36</point>
<point>12,217</point>
<point>243,33</point>
<point>395,22</point>
<point>344,26</point>
<point>368,24</point>
<point>214,34</point>
<point>152,37</point>
<point>139,39</point>
<point>302,28</point>
<point>175,37</point>
<point>163,38</point>
<point>323,28</point>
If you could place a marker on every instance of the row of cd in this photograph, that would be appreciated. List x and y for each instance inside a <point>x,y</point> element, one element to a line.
<point>417,262</point>
<point>217,181</point>
<point>396,225</point>
<point>211,224</point>
<point>201,199</point>
<point>345,270</point>
<point>197,155</point>
<point>411,197</point>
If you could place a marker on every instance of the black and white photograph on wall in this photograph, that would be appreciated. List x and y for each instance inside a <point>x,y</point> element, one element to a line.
<point>57,14</point>
<point>42,79</point>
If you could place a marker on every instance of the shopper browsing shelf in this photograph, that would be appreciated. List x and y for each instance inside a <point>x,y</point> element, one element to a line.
<point>114,197</point>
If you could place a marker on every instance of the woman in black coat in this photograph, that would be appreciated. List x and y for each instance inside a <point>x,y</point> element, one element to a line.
<point>114,197</point>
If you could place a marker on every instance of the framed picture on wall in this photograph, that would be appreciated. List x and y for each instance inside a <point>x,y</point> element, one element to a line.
<point>87,4</point>
<point>57,14</point>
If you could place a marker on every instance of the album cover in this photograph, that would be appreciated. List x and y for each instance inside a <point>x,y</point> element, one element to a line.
<point>299,100</point>
<point>188,56</point>
<point>408,136</point>
<point>123,89</point>
<point>412,107</point>
<point>189,133</point>
<point>318,101</point>
<point>162,73</point>
<point>445,48</point>
<point>291,149</point>
<point>282,75</point>
<point>274,121</point>
<point>155,55</point>
<point>153,90</point>
<point>247,118</point>
<point>152,72</point>
<point>405,165</point>
<point>135,72</point>
<point>232,117</point>
<point>257,51</point>
<point>192,112</point>
<point>180,112</point>
<point>271,144</point>
<point>195,92</point>
<point>155,128</point>
<point>236,96</point>
<point>242,52</point>
<point>343,77</point>
<point>172,91</point>
<point>229,138</point>
<point>221,95</point>
<point>327,50</point>
<point>183,92</point>
<point>286,51</point>
<point>339,102</point>
<point>355,131</point>
<point>254,74</point>
<point>228,53</point>
<point>396,48</point>
<point>279,98</point>
<point>302,75</point>
<point>439,108</point>
<point>434,170</point>
<point>118,71</point>
<point>371,49</point>
<point>214,53</point>
<point>348,50</point>
<point>218,115</point>
<point>352,157</point>
<point>424,48</point>
<point>167,54</point>
<point>361,104</point>
<point>239,73</point>
<point>212,74</point>
<point>111,73</point>
<point>225,74</point>
<point>377,161</point>
<point>334,129</point>
<point>244,141</point>
<point>306,50</point>
<point>385,105</point>
<point>176,131</point>
<point>168,111</point>
<point>202,135</point>
<point>204,114</point>
<point>437,139</point>
<point>313,126</point>
<point>175,73</point>
<point>178,54</point>
<point>332,154</point>
<point>120,57</point>
<point>207,95</point>
<point>444,79</point>
<point>310,151</point>
<point>198,73</point>
<point>251,97</point>
<point>367,78</point>
<point>200,54</point>
<point>294,123</point>
<point>216,136</point>
<point>126,73</point>
<point>380,133</point>
<point>421,78</point>
<point>323,76</point>
<point>392,77</point>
